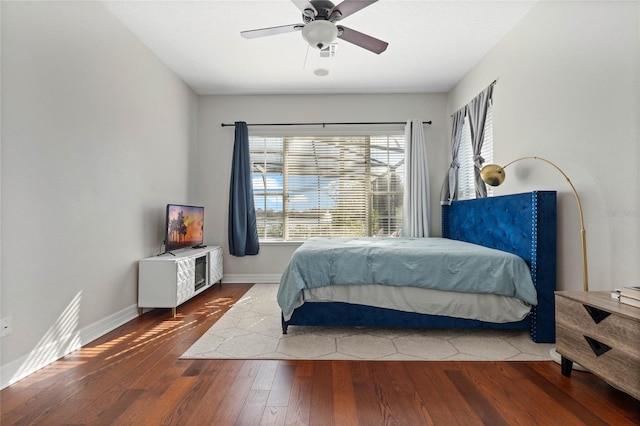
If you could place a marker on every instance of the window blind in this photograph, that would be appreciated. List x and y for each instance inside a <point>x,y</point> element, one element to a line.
<point>347,186</point>
<point>466,178</point>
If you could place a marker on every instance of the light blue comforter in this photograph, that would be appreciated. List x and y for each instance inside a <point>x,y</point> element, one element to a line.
<point>436,263</point>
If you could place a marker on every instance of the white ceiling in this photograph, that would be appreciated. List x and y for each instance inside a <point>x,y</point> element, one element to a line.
<point>432,44</point>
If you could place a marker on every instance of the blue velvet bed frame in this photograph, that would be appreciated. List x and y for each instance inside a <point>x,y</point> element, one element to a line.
<point>522,224</point>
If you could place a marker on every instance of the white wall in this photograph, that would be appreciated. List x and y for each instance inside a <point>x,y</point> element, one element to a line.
<point>216,149</point>
<point>97,136</point>
<point>568,90</point>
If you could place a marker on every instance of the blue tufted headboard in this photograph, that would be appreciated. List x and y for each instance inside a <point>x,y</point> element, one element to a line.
<point>522,224</point>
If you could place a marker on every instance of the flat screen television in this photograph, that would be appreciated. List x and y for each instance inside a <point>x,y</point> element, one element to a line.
<point>184,226</point>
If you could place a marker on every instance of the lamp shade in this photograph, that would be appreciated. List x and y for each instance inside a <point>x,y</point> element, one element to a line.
<point>320,34</point>
<point>492,174</point>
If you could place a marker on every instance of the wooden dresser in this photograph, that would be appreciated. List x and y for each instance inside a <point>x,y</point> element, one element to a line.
<point>602,335</point>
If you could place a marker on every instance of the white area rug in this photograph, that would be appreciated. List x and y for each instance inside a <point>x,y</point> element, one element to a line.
<point>251,329</point>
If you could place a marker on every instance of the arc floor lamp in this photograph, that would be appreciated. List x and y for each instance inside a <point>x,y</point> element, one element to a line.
<point>494,175</point>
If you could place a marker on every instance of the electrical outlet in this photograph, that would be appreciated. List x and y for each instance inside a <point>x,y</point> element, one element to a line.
<point>5,327</point>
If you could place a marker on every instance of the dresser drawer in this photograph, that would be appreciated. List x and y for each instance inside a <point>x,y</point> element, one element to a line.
<point>614,330</point>
<point>618,366</point>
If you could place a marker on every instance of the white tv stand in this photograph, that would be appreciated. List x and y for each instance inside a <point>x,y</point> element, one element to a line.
<point>168,280</point>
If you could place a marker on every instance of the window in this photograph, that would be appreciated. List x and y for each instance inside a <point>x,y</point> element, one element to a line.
<point>347,186</point>
<point>466,179</point>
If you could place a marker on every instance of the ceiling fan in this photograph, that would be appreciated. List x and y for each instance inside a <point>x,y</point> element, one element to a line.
<point>320,29</point>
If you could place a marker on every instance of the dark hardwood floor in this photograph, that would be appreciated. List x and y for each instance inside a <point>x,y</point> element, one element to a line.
<point>134,376</point>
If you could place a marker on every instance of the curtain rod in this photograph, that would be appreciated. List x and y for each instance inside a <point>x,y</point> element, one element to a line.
<point>320,124</point>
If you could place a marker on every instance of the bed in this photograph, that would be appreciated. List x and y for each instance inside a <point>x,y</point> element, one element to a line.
<point>320,287</point>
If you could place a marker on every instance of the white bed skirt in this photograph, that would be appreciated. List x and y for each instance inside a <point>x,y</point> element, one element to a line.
<point>482,307</point>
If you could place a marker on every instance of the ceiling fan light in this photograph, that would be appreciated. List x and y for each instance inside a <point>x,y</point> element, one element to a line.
<point>320,34</point>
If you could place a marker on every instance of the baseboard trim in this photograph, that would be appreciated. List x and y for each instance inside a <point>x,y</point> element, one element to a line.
<point>47,352</point>
<point>251,278</point>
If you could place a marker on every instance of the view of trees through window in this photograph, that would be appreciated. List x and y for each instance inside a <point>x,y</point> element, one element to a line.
<point>347,186</point>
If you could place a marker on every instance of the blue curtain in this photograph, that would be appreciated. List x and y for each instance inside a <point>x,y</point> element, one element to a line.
<point>243,232</point>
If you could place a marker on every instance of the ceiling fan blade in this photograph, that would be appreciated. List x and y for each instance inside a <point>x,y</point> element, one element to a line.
<point>305,5</point>
<point>263,32</point>
<point>349,7</point>
<point>359,39</point>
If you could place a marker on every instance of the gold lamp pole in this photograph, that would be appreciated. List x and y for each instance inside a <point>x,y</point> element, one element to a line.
<point>493,175</point>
